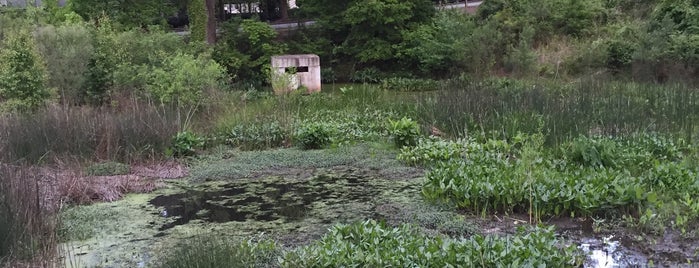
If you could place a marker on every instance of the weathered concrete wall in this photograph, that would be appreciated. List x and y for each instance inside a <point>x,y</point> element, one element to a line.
<point>24,3</point>
<point>307,71</point>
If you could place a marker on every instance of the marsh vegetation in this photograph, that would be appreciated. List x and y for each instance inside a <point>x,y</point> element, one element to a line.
<point>561,133</point>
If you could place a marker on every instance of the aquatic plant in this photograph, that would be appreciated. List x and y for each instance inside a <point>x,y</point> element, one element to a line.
<point>374,244</point>
<point>313,135</point>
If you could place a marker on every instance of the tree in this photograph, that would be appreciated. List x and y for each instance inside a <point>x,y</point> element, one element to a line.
<point>368,30</point>
<point>211,21</point>
<point>127,13</point>
<point>202,20</point>
<point>246,49</point>
<point>22,74</point>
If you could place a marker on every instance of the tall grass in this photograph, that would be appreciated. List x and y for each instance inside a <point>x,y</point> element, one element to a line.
<point>502,107</point>
<point>129,133</point>
<point>27,219</point>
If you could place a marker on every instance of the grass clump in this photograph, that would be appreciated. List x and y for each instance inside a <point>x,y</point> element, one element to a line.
<point>27,222</point>
<point>374,244</point>
<point>215,251</point>
<point>409,84</point>
<point>108,168</point>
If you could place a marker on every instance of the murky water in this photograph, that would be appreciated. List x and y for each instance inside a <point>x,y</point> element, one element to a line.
<point>263,200</point>
<point>609,252</point>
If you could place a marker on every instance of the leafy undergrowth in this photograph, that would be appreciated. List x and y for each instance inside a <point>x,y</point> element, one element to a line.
<point>650,181</point>
<point>374,244</point>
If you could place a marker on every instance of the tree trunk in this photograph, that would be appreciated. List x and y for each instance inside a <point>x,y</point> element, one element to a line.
<point>210,21</point>
<point>284,9</point>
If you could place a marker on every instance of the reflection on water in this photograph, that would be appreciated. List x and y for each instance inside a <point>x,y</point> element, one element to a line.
<point>608,252</point>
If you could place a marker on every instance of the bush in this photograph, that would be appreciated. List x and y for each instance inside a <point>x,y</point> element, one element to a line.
<point>405,132</point>
<point>374,244</point>
<point>245,50</point>
<point>313,135</point>
<point>22,74</point>
<point>186,143</point>
<point>108,168</point>
<point>183,79</point>
<point>67,51</point>
<point>409,84</point>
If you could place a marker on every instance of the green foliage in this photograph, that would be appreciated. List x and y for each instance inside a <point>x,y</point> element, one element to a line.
<point>405,132</point>
<point>489,180</point>
<point>313,135</point>
<point>367,75</point>
<point>432,151</point>
<point>442,46</point>
<point>126,15</point>
<point>67,51</point>
<point>366,31</point>
<point>22,74</point>
<point>409,84</point>
<point>594,152</point>
<point>520,59</point>
<point>208,251</point>
<point>257,135</point>
<point>354,125</point>
<point>246,48</point>
<point>186,143</point>
<point>502,107</point>
<point>131,62</point>
<point>374,244</point>
<point>108,168</point>
<point>196,11</point>
<point>183,79</point>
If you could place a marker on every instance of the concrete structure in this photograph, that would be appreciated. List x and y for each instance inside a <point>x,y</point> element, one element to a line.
<point>24,3</point>
<point>289,72</point>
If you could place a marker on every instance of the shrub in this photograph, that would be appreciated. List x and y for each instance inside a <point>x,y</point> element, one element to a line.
<point>405,132</point>
<point>182,79</point>
<point>409,84</point>
<point>313,135</point>
<point>186,143</point>
<point>67,51</point>
<point>374,244</point>
<point>108,168</point>
<point>257,135</point>
<point>22,74</point>
<point>245,50</point>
